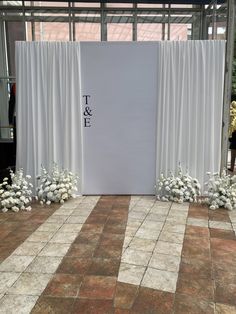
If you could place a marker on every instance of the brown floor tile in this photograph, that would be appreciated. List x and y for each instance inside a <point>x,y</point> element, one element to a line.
<point>93,307</point>
<point>29,227</point>
<point>225,293</point>
<point>122,311</point>
<point>196,231</point>
<point>96,219</point>
<point>196,268</point>
<point>102,209</point>
<point>125,295</point>
<point>81,250</point>
<point>50,305</point>
<point>104,267</point>
<point>188,305</point>
<point>110,239</point>
<point>98,287</point>
<point>219,216</point>
<point>226,276</point>
<point>96,228</point>
<point>198,211</point>
<point>117,229</point>
<point>222,261</point>
<point>223,245</point>
<point>87,237</point>
<point>225,309</point>
<point>74,265</point>
<point>195,250</point>
<point>108,251</point>
<point>3,233</point>
<point>64,285</point>
<point>222,234</point>
<point>197,288</point>
<point>153,301</point>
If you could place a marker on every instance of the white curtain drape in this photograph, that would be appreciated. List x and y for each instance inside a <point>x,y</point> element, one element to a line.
<point>189,111</point>
<point>48,106</point>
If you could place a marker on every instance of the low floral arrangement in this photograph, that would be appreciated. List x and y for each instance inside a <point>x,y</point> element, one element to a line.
<point>221,191</point>
<point>57,186</point>
<point>180,188</point>
<point>17,194</point>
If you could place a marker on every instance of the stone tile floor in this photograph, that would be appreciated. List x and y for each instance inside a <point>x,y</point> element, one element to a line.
<point>118,254</point>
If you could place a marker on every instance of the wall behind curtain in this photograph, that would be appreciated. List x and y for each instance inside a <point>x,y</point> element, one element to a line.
<point>189,111</point>
<point>48,111</point>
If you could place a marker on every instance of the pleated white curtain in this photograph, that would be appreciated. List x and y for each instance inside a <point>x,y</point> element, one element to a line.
<point>189,111</point>
<point>48,106</point>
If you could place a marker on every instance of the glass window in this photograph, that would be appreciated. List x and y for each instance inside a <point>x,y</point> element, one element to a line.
<point>119,32</point>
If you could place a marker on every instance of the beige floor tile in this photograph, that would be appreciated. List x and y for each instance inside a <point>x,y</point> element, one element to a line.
<point>220,225</point>
<point>136,257</point>
<point>57,219</point>
<point>71,227</point>
<point>64,237</point>
<point>12,304</point>
<point>130,231</point>
<point>44,265</point>
<point>168,248</point>
<point>16,263</point>
<point>180,207</point>
<point>177,213</point>
<point>50,226</point>
<point>76,219</point>
<point>159,204</point>
<point>172,237</point>
<point>29,248</point>
<point>147,234</point>
<point>127,241</point>
<point>176,220</point>
<point>143,209</point>
<point>134,223</point>
<point>30,284</point>
<point>63,212</point>
<point>69,206</point>
<point>142,244</point>
<point>55,249</point>
<point>160,280</point>
<point>197,222</point>
<point>165,262</point>
<point>156,217</point>
<point>40,236</point>
<point>131,273</point>
<point>172,227</point>
<point>7,279</point>
<point>159,210</point>
<point>138,215</point>
<point>156,225</point>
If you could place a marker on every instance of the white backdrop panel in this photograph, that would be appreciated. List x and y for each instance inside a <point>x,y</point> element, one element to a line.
<point>189,110</point>
<point>119,149</point>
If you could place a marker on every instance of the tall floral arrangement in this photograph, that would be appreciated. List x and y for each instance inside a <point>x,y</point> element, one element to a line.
<point>17,194</point>
<point>180,188</point>
<point>56,186</point>
<point>221,190</point>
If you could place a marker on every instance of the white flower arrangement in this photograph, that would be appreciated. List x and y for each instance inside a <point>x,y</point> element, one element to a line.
<point>221,191</point>
<point>57,186</point>
<point>179,189</point>
<point>17,195</point>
